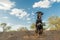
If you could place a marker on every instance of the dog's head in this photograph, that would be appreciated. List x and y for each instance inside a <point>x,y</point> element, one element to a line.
<point>39,14</point>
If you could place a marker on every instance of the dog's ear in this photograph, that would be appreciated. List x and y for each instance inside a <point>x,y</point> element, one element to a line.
<point>39,12</point>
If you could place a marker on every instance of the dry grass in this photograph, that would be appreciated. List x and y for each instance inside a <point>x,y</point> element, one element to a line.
<point>30,35</point>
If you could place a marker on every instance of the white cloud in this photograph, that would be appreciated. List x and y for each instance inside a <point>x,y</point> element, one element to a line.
<point>28,18</point>
<point>5,17</point>
<point>33,13</point>
<point>1,29</point>
<point>55,0</point>
<point>58,0</point>
<point>15,27</point>
<point>44,3</point>
<point>29,22</point>
<point>6,4</point>
<point>27,15</point>
<point>9,24</point>
<point>19,13</point>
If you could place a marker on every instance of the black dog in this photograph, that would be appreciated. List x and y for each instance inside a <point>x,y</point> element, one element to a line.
<point>39,26</point>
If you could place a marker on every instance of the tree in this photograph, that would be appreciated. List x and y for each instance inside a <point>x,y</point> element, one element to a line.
<point>32,26</point>
<point>54,22</point>
<point>5,27</point>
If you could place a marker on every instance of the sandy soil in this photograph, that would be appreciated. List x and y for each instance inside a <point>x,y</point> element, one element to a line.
<point>30,35</point>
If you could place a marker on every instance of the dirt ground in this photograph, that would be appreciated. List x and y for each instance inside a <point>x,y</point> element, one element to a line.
<point>30,35</point>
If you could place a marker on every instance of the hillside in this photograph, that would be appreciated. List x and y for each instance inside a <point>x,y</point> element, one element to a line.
<point>30,35</point>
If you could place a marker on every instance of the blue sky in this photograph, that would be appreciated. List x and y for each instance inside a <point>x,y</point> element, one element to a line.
<point>22,13</point>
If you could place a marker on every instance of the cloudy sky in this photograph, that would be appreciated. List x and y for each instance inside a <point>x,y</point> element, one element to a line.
<point>19,13</point>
